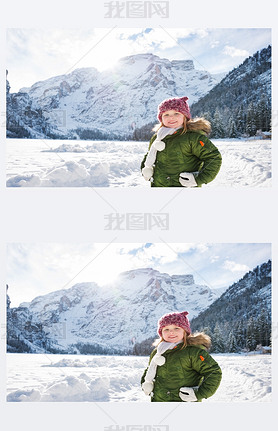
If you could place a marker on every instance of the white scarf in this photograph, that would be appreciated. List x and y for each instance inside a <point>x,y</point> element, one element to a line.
<point>158,145</point>
<point>156,361</point>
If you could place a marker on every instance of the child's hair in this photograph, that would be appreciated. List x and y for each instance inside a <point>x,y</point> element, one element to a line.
<point>193,125</point>
<point>198,338</point>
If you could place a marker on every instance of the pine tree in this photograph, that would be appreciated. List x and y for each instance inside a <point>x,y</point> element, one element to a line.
<point>251,127</point>
<point>218,345</point>
<point>232,343</point>
<point>240,119</point>
<point>232,131</point>
<point>263,332</point>
<point>217,125</point>
<point>251,342</point>
<point>207,116</point>
<point>240,334</point>
<point>263,114</point>
<point>207,330</point>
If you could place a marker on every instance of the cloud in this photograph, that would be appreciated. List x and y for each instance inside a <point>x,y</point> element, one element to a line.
<point>214,43</point>
<point>235,267</point>
<point>231,51</point>
<point>37,54</point>
<point>35,269</point>
<point>214,258</point>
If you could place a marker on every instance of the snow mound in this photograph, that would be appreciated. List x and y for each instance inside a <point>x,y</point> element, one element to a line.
<point>21,396</point>
<point>70,388</point>
<point>77,389</point>
<point>109,361</point>
<point>97,147</point>
<point>24,180</point>
<point>80,173</point>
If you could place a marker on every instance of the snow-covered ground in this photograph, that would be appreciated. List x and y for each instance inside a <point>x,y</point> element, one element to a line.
<point>76,378</point>
<point>48,163</point>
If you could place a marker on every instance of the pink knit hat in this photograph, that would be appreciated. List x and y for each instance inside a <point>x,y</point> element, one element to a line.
<point>177,104</point>
<point>178,319</point>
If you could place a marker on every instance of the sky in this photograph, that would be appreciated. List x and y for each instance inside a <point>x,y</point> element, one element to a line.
<point>37,54</point>
<point>35,269</point>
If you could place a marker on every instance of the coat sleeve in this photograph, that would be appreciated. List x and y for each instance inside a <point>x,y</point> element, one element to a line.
<point>210,157</point>
<point>210,372</point>
<point>145,156</point>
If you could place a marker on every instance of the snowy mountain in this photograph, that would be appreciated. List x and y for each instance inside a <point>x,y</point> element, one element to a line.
<point>242,314</point>
<point>241,102</point>
<point>89,104</point>
<point>115,318</point>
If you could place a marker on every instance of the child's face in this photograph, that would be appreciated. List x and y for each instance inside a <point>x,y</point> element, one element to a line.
<point>172,119</point>
<point>172,333</point>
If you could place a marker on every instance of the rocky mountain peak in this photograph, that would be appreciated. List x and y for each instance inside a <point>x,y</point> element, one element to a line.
<point>130,305</point>
<point>113,103</point>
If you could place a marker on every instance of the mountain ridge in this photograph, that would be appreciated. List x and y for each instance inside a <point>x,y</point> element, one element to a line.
<point>114,317</point>
<point>241,102</point>
<point>114,103</point>
<point>241,317</point>
<point>121,317</point>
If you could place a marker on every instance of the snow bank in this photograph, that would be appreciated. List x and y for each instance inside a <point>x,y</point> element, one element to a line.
<point>244,378</point>
<point>244,163</point>
<point>69,389</point>
<point>98,361</point>
<point>122,379</point>
<point>98,147</point>
<point>117,378</point>
<point>80,173</point>
<point>117,164</point>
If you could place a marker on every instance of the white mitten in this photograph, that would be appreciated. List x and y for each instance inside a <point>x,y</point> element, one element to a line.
<point>187,394</point>
<point>147,172</point>
<point>187,179</point>
<point>147,387</point>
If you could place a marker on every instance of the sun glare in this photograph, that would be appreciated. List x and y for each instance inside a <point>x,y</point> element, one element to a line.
<point>107,277</point>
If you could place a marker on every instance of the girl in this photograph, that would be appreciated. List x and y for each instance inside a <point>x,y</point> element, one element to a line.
<point>180,153</point>
<point>180,369</point>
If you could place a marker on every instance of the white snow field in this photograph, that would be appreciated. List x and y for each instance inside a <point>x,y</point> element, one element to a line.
<point>48,163</point>
<point>79,378</point>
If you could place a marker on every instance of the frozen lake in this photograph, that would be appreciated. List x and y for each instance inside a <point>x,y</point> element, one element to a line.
<point>48,163</point>
<point>44,377</point>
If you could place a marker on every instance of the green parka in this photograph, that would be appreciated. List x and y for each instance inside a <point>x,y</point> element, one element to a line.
<point>188,152</point>
<point>191,366</point>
